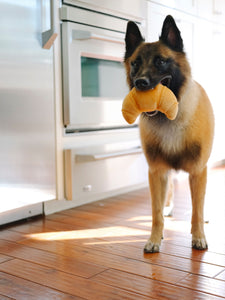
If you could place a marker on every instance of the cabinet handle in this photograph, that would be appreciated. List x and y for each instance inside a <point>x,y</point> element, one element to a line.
<point>49,36</point>
<point>82,158</point>
<point>87,35</point>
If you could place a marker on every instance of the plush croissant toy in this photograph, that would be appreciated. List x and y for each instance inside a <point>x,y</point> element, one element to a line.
<point>160,98</point>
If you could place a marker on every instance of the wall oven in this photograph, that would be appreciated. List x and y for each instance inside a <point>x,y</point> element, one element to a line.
<point>94,86</point>
<point>94,80</point>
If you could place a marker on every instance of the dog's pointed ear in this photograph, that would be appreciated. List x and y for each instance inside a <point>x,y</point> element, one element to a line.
<point>171,35</point>
<point>133,38</point>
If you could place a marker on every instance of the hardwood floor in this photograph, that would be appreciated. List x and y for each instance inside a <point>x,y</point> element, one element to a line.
<point>95,251</point>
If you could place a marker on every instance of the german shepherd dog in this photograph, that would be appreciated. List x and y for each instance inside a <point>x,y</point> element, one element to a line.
<point>182,144</point>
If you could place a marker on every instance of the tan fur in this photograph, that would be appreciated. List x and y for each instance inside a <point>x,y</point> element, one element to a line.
<point>194,123</point>
<point>183,143</point>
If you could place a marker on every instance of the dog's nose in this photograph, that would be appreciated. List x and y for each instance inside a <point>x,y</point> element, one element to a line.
<point>142,83</point>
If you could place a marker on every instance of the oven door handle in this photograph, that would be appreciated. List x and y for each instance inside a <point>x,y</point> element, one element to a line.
<point>87,35</point>
<point>82,158</point>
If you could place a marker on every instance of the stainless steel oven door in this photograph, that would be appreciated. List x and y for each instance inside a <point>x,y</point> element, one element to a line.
<point>94,80</point>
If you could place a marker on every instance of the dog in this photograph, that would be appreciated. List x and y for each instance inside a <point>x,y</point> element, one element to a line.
<point>182,144</point>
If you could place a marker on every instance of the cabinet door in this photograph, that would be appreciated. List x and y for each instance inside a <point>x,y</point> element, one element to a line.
<point>219,11</point>
<point>212,10</point>
<point>209,71</point>
<point>205,9</point>
<point>188,6</point>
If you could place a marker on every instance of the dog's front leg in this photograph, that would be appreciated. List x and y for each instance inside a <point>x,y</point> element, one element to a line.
<point>158,182</point>
<point>198,187</point>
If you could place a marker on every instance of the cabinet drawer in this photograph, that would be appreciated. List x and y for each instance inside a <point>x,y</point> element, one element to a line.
<point>91,176</point>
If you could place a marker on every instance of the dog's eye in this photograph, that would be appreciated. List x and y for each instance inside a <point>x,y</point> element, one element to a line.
<point>136,63</point>
<point>160,61</point>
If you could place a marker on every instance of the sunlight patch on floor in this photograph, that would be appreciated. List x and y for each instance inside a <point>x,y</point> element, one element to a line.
<point>140,218</point>
<point>114,231</point>
<point>116,242</point>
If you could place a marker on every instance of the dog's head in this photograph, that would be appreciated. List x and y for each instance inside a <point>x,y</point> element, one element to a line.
<point>148,64</point>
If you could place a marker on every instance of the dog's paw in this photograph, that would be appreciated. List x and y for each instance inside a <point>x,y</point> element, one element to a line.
<point>151,247</point>
<point>199,243</point>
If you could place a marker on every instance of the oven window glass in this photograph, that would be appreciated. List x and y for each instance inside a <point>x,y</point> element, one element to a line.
<point>103,78</point>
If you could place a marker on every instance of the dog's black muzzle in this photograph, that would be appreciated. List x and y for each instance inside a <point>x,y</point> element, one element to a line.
<point>144,83</point>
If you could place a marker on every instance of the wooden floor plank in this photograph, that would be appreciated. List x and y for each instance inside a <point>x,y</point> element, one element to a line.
<point>150,288</point>
<point>221,276</point>
<point>160,259</point>
<point>39,226</point>
<point>204,284</point>
<point>14,287</point>
<point>10,235</point>
<point>4,258</point>
<point>66,283</point>
<point>63,263</point>
<point>90,216</point>
<point>4,297</point>
<point>108,260</point>
<point>193,254</point>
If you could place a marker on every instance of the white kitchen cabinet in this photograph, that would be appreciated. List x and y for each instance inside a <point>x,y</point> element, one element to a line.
<point>205,9</point>
<point>188,6</point>
<point>98,172</point>
<point>212,10</point>
<point>216,86</point>
<point>209,48</point>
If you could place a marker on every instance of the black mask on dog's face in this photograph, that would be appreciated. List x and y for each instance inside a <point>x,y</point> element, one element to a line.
<point>149,64</point>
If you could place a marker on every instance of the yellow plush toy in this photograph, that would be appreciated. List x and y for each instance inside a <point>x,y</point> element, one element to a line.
<point>160,98</point>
